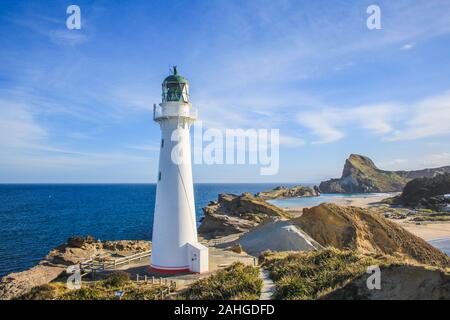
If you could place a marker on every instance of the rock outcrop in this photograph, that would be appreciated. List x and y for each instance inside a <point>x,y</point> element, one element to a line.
<point>429,193</point>
<point>285,192</point>
<point>361,175</point>
<point>76,250</point>
<point>234,214</point>
<point>367,232</point>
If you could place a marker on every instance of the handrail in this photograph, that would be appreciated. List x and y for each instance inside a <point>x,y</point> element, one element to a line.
<point>93,265</point>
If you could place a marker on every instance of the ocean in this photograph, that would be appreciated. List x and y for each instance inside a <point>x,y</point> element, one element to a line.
<point>35,218</point>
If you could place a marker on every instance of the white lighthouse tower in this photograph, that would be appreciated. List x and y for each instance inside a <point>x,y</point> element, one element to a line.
<point>174,242</point>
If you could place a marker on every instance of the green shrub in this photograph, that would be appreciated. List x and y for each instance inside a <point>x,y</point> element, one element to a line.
<point>43,292</point>
<point>86,293</point>
<point>117,279</point>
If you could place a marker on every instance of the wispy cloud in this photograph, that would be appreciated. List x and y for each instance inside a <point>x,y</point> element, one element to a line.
<point>18,127</point>
<point>433,160</point>
<point>331,124</point>
<point>53,29</point>
<point>407,46</point>
<point>291,141</point>
<point>318,75</point>
<point>392,121</point>
<point>26,143</point>
<point>70,37</point>
<point>427,118</point>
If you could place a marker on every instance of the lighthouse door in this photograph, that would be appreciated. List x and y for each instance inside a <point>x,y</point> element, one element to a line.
<point>198,257</point>
<point>193,264</point>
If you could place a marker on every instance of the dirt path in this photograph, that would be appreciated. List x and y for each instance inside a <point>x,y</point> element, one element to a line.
<point>268,289</point>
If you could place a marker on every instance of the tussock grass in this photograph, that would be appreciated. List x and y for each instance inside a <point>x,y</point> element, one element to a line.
<point>310,275</point>
<point>237,282</point>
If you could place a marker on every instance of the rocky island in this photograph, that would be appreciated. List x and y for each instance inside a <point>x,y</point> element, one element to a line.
<point>360,175</point>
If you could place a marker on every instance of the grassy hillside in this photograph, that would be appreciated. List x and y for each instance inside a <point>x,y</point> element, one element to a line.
<point>310,275</point>
<point>361,229</point>
<point>342,274</point>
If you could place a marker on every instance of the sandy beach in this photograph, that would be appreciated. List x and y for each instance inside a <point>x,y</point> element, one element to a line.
<point>363,201</point>
<point>427,230</point>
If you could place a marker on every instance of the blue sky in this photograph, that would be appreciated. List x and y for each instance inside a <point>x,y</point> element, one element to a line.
<point>76,105</point>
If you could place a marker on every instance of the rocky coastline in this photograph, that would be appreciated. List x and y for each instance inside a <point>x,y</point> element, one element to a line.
<point>77,249</point>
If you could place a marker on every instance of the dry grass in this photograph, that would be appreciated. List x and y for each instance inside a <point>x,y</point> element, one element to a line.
<point>310,275</point>
<point>98,290</point>
<point>237,282</point>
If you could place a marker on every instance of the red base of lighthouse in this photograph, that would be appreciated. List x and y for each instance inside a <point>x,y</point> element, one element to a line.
<point>161,270</point>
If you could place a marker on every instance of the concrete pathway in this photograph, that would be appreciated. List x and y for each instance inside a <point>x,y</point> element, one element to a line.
<point>268,289</point>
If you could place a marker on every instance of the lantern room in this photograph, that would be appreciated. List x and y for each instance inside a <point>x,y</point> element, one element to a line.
<point>175,88</point>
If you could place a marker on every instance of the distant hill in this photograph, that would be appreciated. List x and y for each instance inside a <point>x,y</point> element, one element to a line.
<point>361,175</point>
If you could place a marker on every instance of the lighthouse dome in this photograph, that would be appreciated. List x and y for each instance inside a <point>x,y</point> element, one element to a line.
<point>175,88</point>
<point>175,77</point>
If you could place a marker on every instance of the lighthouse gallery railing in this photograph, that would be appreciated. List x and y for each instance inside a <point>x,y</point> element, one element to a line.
<point>176,110</point>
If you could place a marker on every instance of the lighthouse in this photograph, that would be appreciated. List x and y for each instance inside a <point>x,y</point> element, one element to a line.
<point>174,242</point>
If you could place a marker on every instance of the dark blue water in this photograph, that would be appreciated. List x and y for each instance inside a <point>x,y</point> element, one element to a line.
<point>36,218</point>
